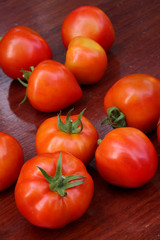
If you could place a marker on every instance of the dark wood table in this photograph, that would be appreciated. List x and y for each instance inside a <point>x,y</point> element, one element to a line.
<point>115,213</point>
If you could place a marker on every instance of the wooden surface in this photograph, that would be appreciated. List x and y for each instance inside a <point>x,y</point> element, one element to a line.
<point>115,213</point>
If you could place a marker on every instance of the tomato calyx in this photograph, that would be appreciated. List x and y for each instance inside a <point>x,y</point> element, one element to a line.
<point>99,141</point>
<point>26,75</point>
<point>1,38</point>
<point>60,183</point>
<point>116,118</point>
<point>158,123</point>
<point>70,127</point>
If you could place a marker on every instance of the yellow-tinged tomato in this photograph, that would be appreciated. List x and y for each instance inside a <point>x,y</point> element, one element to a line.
<point>86,59</point>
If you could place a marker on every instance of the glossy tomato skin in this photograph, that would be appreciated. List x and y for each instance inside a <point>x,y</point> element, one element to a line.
<point>11,160</point>
<point>52,87</point>
<point>86,59</point>
<point>126,158</point>
<point>137,96</point>
<point>91,22</point>
<point>21,48</point>
<point>82,145</point>
<point>46,208</point>
<point>158,131</point>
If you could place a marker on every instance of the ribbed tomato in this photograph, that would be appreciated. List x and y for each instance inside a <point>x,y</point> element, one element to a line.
<point>53,190</point>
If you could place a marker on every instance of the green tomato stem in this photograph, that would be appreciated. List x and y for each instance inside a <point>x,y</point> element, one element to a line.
<point>99,141</point>
<point>116,118</point>
<point>60,183</point>
<point>26,75</point>
<point>24,99</point>
<point>70,127</point>
<point>22,82</point>
<point>1,38</point>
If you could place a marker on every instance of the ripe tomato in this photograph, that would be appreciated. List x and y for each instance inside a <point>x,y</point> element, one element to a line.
<point>20,48</point>
<point>86,59</point>
<point>52,87</point>
<point>158,130</point>
<point>78,136</point>
<point>50,196</point>
<point>11,160</point>
<point>91,22</point>
<point>137,97</point>
<point>126,158</point>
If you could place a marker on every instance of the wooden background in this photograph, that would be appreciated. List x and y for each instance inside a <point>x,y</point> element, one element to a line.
<point>115,213</point>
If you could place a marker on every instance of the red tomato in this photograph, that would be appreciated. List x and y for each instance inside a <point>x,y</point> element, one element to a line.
<point>21,48</point>
<point>91,22</point>
<point>137,97</point>
<point>80,141</point>
<point>11,160</point>
<point>52,87</point>
<point>86,59</point>
<point>53,201</point>
<point>126,158</point>
<point>158,130</point>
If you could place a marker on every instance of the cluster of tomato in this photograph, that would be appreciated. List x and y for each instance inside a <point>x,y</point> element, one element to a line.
<point>54,188</point>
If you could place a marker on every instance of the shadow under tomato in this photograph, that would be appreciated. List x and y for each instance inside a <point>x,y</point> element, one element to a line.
<point>24,111</point>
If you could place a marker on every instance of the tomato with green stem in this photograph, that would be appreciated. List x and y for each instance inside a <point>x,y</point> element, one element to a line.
<point>90,22</point>
<point>74,134</point>
<point>134,101</point>
<point>53,189</point>
<point>11,160</point>
<point>51,86</point>
<point>21,47</point>
<point>126,158</point>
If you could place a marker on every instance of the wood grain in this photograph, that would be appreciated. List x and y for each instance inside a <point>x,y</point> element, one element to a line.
<point>115,213</point>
